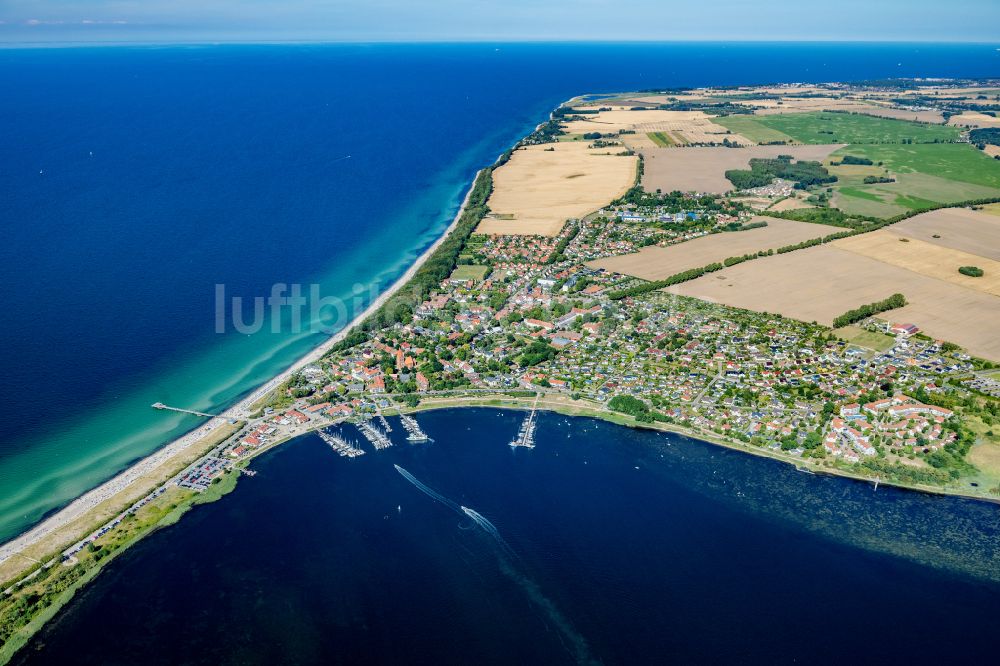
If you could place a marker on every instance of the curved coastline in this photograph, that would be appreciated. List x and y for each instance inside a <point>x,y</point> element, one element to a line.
<point>79,507</point>
<point>591,410</point>
<point>172,451</point>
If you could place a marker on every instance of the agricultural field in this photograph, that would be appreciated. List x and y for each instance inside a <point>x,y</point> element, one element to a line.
<point>924,257</point>
<point>974,119</point>
<point>754,130</point>
<point>656,263</point>
<point>703,168</point>
<point>664,139</point>
<point>819,104</point>
<point>822,282</point>
<point>791,203</point>
<point>766,107</point>
<point>926,175</point>
<point>542,186</point>
<point>914,191</point>
<point>820,127</point>
<point>923,115</point>
<point>684,126</point>
<point>951,161</point>
<point>973,231</point>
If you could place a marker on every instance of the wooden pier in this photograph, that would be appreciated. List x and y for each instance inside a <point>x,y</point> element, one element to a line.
<point>160,405</point>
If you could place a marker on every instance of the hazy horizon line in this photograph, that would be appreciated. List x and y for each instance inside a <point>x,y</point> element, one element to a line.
<point>363,42</point>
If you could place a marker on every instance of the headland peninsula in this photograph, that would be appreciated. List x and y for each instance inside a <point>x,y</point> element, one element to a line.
<point>805,272</point>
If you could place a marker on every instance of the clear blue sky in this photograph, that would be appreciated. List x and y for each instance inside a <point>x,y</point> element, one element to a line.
<point>498,20</point>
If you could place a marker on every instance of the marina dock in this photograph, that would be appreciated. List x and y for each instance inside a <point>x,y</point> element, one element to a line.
<point>377,437</point>
<point>341,445</point>
<point>414,433</point>
<point>526,435</point>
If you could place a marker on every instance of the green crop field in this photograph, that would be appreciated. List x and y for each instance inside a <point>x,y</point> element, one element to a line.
<point>752,128</point>
<point>821,127</point>
<point>470,272</point>
<point>951,161</point>
<point>661,139</point>
<point>846,199</point>
<point>926,175</point>
<point>862,338</point>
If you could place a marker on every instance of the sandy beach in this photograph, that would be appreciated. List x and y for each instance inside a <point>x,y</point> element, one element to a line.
<point>174,452</point>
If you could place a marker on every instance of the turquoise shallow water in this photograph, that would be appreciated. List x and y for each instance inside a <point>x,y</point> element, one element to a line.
<point>601,545</point>
<point>135,179</point>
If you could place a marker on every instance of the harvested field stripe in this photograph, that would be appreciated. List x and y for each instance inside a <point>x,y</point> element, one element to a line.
<point>661,139</point>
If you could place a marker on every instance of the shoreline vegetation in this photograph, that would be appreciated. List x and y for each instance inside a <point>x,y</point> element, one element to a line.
<point>29,560</point>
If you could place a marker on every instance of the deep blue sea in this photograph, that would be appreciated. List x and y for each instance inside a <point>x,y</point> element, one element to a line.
<point>135,179</point>
<point>601,545</point>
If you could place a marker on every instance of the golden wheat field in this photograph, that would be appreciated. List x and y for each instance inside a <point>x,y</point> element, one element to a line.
<point>974,119</point>
<point>542,186</point>
<point>791,203</point>
<point>925,258</point>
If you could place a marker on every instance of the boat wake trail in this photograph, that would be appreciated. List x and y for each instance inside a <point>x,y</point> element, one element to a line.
<point>573,641</point>
<point>489,528</point>
<point>427,490</point>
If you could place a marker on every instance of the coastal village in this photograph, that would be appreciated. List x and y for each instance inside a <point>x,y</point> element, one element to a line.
<point>541,326</point>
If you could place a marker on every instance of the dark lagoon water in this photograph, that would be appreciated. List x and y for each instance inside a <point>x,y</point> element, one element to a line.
<point>603,544</point>
<point>135,179</point>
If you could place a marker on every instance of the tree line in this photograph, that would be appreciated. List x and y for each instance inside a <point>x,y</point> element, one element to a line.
<point>986,135</point>
<point>851,316</point>
<point>557,253</point>
<point>653,285</point>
